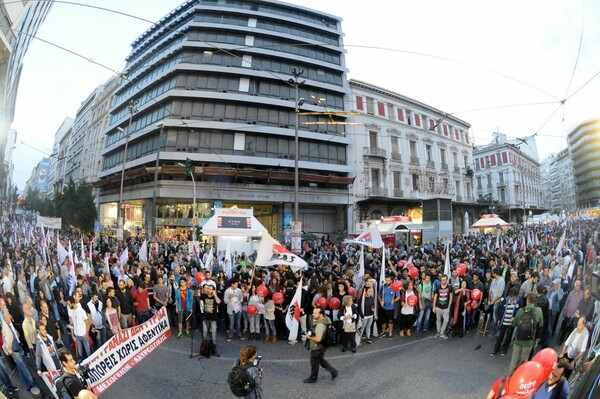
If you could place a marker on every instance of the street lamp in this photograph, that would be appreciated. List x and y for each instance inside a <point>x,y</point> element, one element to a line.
<point>120,215</point>
<point>161,126</point>
<point>297,104</point>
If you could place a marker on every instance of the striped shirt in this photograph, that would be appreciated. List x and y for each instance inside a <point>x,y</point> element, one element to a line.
<point>509,312</point>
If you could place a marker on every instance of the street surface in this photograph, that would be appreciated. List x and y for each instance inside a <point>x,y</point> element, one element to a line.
<point>420,367</point>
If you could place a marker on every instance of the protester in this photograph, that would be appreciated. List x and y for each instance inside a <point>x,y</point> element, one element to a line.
<point>317,349</point>
<point>527,321</point>
<point>556,386</point>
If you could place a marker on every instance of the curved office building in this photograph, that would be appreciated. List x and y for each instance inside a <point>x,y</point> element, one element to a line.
<point>584,146</point>
<point>213,82</point>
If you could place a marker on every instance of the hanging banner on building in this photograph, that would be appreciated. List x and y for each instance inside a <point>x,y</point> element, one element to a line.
<point>49,223</point>
<point>122,352</point>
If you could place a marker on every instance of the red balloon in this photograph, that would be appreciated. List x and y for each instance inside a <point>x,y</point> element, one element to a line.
<point>409,265</point>
<point>476,294</point>
<point>252,309</point>
<point>396,285</point>
<point>351,291</point>
<point>526,379</point>
<point>400,264</point>
<point>322,302</point>
<point>413,272</point>
<point>199,277</point>
<point>278,298</point>
<point>412,300</point>
<point>334,303</point>
<point>262,291</point>
<point>473,305</point>
<point>546,357</point>
<point>461,269</point>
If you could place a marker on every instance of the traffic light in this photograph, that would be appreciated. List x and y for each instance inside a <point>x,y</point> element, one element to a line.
<point>188,166</point>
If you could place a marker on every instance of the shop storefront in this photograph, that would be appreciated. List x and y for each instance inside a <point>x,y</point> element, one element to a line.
<point>133,219</point>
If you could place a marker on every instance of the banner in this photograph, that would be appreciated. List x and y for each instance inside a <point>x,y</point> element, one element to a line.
<point>50,223</point>
<point>122,352</point>
<point>369,237</point>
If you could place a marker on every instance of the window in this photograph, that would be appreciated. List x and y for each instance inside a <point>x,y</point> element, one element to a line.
<point>413,148</point>
<point>466,160</point>
<point>445,183</point>
<point>455,159</point>
<point>400,114</point>
<point>457,182</point>
<point>375,178</point>
<point>395,144</point>
<point>408,117</point>
<point>370,106</point>
<point>429,153</point>
<point>502,195</point>
<point>373,139</point>
<point>501,177</point>
<point>381,108</point>
<point>397,180</point>
<point>469,193</point>
<point>489,181</point>
<point>478,182</point>
<point>431,183</point>
<point>443,155</point>
<point>359,103</point>
<point>415,182</point>
<point>390,111</point>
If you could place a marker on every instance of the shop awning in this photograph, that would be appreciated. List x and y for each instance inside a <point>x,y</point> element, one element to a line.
<point>393,227</point>
<point>233,222</point>
<point>487,221</point>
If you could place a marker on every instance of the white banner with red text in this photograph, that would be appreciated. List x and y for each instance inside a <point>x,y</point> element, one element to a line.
<point>123,352</point>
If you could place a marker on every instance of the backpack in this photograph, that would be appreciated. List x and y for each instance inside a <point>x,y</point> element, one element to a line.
<point>239,380</point>
<point>59,385</point>
<point>330,336</point>
<point>525,327</point>
<point>207,348</point>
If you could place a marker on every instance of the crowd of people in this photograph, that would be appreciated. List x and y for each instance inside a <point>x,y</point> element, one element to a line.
<point>513,286</point>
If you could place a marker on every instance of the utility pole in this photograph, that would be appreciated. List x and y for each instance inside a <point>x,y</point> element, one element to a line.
<point>120,214</point>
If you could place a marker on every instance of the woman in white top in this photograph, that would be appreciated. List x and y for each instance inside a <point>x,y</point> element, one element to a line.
<point>575,346</point>
<point>270,319</point>
<point>408,313</point>
<point>348,314</point>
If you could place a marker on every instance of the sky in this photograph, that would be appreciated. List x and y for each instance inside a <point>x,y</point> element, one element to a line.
<point>500,66</point>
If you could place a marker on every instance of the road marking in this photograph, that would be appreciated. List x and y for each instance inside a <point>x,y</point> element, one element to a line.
<point>303,360</point>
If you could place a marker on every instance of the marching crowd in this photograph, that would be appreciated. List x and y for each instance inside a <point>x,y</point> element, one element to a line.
<point>510,285</point>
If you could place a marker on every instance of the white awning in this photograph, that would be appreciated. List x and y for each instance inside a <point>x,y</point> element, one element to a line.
<point>233,222</point>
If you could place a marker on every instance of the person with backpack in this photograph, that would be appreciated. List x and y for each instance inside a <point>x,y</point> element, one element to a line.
<point>526,321</point>
<point>245,379</point>
<point>319,339</point>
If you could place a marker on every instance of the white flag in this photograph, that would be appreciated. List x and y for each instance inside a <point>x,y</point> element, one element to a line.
<point>227,265</point>
<point>271,253</point>
<point>106,264</point>
<point>292,317</point>
<point>143,254</point>
<point>370,237</point>
<point>447,261</point>
<point>83,251</point>
<point>124,257</point>
<point>361,268</point>
<point>209,260</point>
<point>515,245</point>
<point>61,252</point>
<point>561,243</point>
<point>71,277</point>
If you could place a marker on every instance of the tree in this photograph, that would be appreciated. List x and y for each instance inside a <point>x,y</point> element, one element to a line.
<point>75,205</point>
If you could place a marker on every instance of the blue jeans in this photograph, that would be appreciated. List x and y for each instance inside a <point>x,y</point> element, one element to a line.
<point>86,344</point>
<point>366,328</point>
<point>23,370</point>
<point>212,324</point>
<point>497,316</point>
<point>423,320</point>
<point>234,323</point>
<point>270,327</point>
<point>5,376</point>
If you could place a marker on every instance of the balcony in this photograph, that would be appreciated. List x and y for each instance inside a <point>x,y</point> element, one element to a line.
<point>431,164</point>
<point>374,152</point>
<point>501,183</point>
<point>396,156</point>
<point>457,169</point>
<point>459,198</point>
<point>414,160</point>
<point>444,166</point>
<point>398,193</point>
<point>377,192</point>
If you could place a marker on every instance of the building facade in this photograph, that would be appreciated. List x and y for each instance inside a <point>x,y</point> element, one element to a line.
<point>74,164</point>
<point>213,82</point>
<point>584,147</point>
<point>564,192</point>
<point>58,167</point>
<point>19,23</point>
<point>407,154</point>
<point>547,178</point>
<point>507,179</point>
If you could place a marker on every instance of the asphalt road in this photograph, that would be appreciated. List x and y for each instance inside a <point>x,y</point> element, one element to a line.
<point>420,366</point>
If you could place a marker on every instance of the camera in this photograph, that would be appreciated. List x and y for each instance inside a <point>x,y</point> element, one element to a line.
<point>257,360</point>
<point>84,370</point>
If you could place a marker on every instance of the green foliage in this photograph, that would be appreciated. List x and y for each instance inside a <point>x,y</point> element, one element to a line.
<point>74,205</point>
